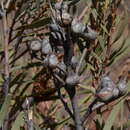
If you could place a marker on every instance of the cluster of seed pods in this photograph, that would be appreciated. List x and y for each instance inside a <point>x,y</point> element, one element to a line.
<point>63,30</point>
<point>109,90</point>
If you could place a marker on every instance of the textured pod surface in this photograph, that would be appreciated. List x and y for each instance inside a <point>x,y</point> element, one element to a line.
<point>105,94</point>
<point>107,82</point>
<point>74,62</point>
<point>35,45</point>
<point>72,80</point>
<point>66,18</point>
<point>115,92</point>
<point>46,47</point>
<point>122,86</point>
<point>53,61</point>
<point>77,27</point>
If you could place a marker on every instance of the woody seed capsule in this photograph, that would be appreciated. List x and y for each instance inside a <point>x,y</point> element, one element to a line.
<point>46,47</point>
<point>35,45</point>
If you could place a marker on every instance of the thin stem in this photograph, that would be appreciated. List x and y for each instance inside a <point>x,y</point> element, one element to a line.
<point>93,106</point>
<point>74,102</point>
<point>59,79</point>
<point>83,13</point>
<point>6,59</point>
<point>6,65</point>
<point>62,100</point>
<point>89,111</point>
<point>81,60</point>
<point>7,4</point>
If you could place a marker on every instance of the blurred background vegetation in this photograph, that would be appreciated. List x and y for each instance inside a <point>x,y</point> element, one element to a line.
<point>27,19</point>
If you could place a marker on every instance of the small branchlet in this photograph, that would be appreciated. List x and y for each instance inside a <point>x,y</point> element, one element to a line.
<point>108,92</point>
<point>65,70</point>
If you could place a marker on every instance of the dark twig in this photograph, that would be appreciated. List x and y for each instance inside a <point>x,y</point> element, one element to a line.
<point>89,110</point>
<point>72,94</point>
<point>6,64</point>
<point>62,99</point>
<point>93,106</point>
<point>6,59</point>
<point>59,79</point>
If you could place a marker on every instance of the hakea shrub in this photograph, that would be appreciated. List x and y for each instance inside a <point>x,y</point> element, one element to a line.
<point>65,29</point>
<point>70,59</point>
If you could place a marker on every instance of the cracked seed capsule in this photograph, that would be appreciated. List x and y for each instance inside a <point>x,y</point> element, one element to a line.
<point>64,19</point>
<point>82,30</point>
<point>74,62</point>
<point>105,94</point>
<point>106,82</point>
<point>77,27</point>
<point>46,47</point>
<point>115,92</point>
<point>72,80</point>
<point>53,61</point>
<point>122,85</point>
<point>35,45</point>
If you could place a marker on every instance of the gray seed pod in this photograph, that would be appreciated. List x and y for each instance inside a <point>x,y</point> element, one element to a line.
<point>115,92</point>
<point>107,82</point>
<point>122,86</point>
<point>77,27</point>
<point>74,62</point>
<point>72,80</point>
<point>53,61</point>
<point>35,45</point>
<point>82,30</point>
<point>54,28</point>
<point>90,33</point>
<point>105,94</point>
<point>46,47</point>
<point>64,19</point>
<point>46,61</point>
